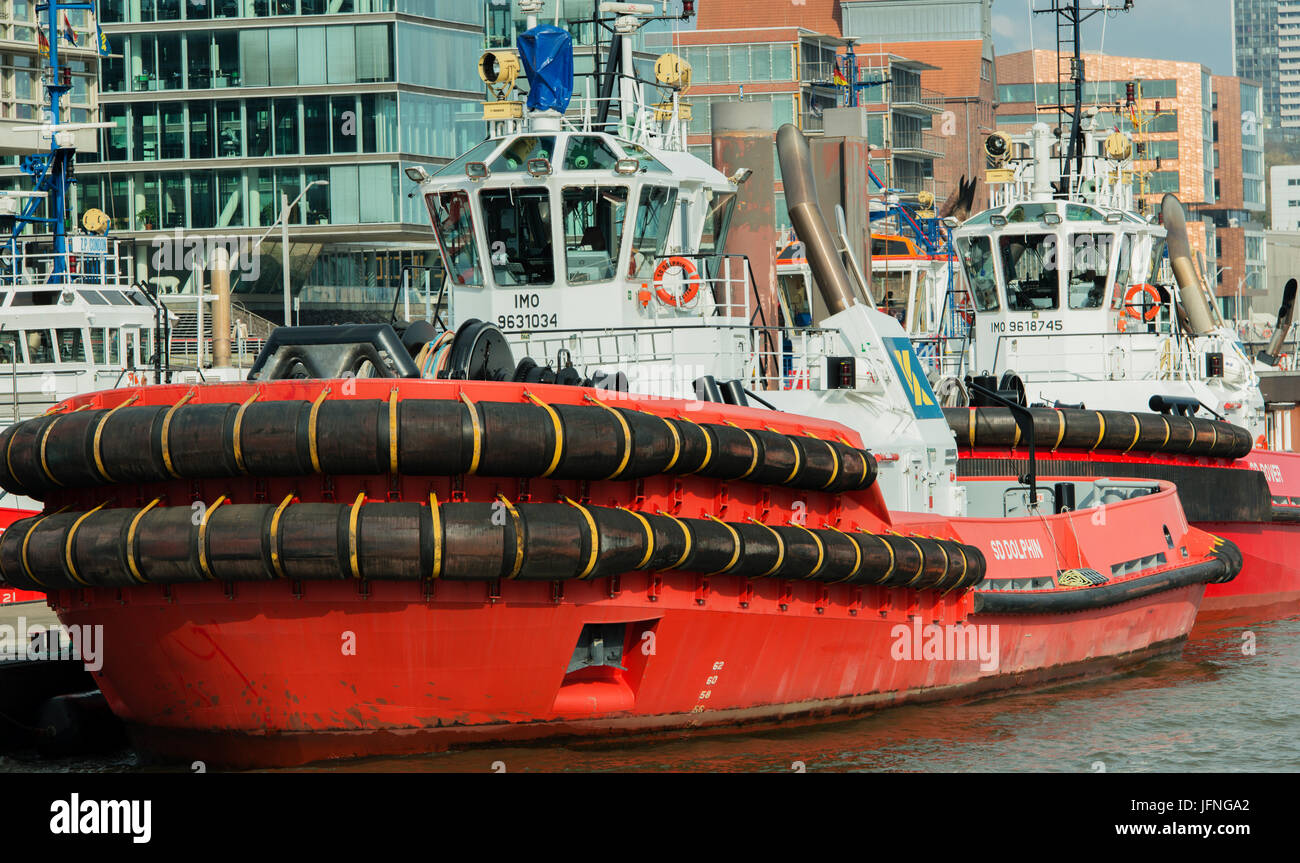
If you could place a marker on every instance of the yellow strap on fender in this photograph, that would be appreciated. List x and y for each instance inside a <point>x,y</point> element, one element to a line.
<point>392,430</point>
<point>893,561</point>
<point>72,534</point>
<point>1101,433</point>
<point>627,435</point>
<point>708,445</point>
<point>753,446</point>
<point>686,532</point>
<point>131,562</point>
<point>478,433</point>
<point>1016,440</point>
<point>44,438</point>
<point>780,547</point>
<point>166,432</point>
<point>437,535</point>
<point>835,457</point>
<point>649,536</point>
<point>559,432</point>
<point>971,427</point>
<point>595,537</point>
<point>857,564</point>
<point>735,544</point>
<point>99,431</point>
<point>1168,431</point>
<point>794,446</point>
<point>519,536</point>
<point>311,429</point>
<point>1137,432</point>
<point>354,560</point>
<point>27,568</point>
<point>276,563</point>
<point>1214,428</point>
<point>821,551</point>
<point>237,433</point>
<point>203,538</point>
<point>677,443</point>
<point>1060,429</point>
<point>946,558</point>
<point>965,567</point>
<point>920,568</point>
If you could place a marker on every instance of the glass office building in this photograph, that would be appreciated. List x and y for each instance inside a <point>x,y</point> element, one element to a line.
<point>220,106</point>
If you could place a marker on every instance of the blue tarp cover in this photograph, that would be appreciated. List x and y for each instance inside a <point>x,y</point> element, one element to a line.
<point>547,54</point>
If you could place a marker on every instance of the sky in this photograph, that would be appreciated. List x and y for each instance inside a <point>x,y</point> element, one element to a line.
<point>1194,30</point>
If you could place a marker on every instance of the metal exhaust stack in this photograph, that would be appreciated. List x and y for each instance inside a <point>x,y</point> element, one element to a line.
<point>1285,315</point>
<point>1195,304</point>
<point>801,200</point>
<point>221,308</point>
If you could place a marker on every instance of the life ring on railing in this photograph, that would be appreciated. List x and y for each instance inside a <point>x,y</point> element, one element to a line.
<point>689,273</point>
<point>1133,311</point>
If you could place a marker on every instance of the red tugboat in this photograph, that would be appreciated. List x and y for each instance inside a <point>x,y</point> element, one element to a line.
<point>386,543</point>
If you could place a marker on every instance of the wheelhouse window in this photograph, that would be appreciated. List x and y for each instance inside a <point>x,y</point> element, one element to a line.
<point>654,215</point>
<point>1029,267</point>
<point>114,348</point>
<point>1090,256</point>
<point>977,259</point>
<point>477,154</point>
<point>9,350</point>
<point>593,231</point>
<point>520,151</point>
<point>589,153</point>
<point>1123,270</point>
<point>40,347</point>
<point>450,212</point>
<point>71,348</point>
<point>97,347</point>
<point>518,234</point>
<point>717,222</point>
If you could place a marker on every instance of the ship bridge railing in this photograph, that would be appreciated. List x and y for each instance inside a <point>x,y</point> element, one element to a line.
<point>100,264</point>
<point>666,361</point>
<point>1053,357</point>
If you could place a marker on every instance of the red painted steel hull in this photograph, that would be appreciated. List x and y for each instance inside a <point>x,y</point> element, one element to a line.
<point>262,679</point>
<point>1269,582</point>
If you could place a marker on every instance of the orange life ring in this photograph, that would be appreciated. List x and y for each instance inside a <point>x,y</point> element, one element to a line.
<point>689,272</point>
<point>1132,310</point>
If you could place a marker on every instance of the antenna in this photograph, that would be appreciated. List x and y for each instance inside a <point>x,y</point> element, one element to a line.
<point>1070,75</point>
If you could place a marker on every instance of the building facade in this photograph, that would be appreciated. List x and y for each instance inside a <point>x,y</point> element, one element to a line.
<point>952,38</point>
<point>1238,202</point>
<point>1284,194</point>
<point>221,106</point>
<point>1257,51</point>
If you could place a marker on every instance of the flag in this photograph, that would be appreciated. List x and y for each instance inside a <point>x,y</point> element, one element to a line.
<point>42,44</point>
<point>68,32</point>
<point>838,78</point>
<point>102,41</point>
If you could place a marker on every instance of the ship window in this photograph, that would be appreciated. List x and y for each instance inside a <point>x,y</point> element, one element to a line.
<point>1029,212</point>
<point>1080,213</point>
<point>1029,267</point>
<point>593,231</point>
<point>892,289</point>
<point>1089,266</point>
<point>9,352</point>
<point>517,154</point>
<point>114,349</point>
<point>93,298</point>
<point>40,348</point>
<point>883,247</point>
<point>130,348</point>
<point>716,225</point>
<point>794,289</point>
<point>654,215</point>
<point>519,235</point>
<point>1123,271</point>
<point>642,155</point>
<point>35,298</point>
<point>97,347</point>
<point>478,154</point>
<point>589,153</point>
<point>977,256</point>
<point>116,298</point>
<point>71,349</point>
<point>450,212</point>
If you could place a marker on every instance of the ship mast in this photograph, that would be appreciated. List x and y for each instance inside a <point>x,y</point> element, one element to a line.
<point>53,171</point>
<point>1070,76</point>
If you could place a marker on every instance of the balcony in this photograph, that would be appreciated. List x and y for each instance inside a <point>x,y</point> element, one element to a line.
<point>918,143</point>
